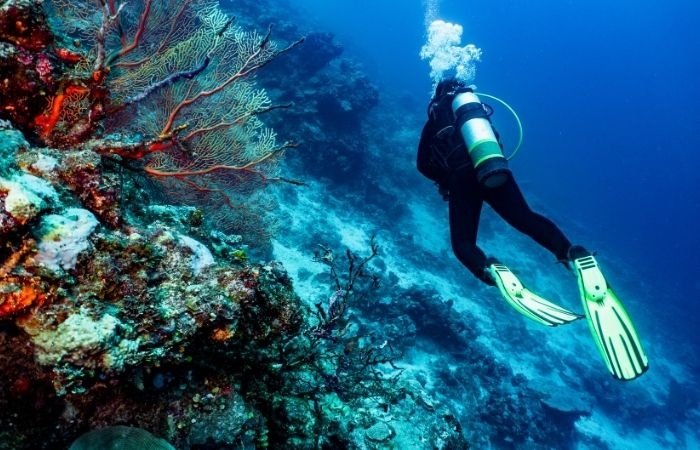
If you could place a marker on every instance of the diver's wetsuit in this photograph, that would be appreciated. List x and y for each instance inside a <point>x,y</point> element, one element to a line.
<point>445,161</point>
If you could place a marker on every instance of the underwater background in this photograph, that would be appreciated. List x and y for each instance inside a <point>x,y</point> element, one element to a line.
<point>307,296</point>
<point>608,95</point>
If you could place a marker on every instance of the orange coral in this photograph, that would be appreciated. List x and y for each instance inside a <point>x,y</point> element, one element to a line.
<point>68,56</point>
<point>57,109</point>
<point>16,295</point>
<point>221,334</point>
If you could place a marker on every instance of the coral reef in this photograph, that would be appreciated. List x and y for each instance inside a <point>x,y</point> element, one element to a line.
<point>143,325</point>
<point>92,309</point>
<point>80,85</point>
<point>115,311</point>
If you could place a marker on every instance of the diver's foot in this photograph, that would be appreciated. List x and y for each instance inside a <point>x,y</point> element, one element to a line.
<point>528,303</point>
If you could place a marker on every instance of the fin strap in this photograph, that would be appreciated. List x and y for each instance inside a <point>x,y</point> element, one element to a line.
<point>509,281</point>
<point>592,279</point>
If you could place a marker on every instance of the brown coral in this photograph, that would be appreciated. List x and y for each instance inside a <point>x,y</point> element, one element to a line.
<point>23,23</point>
<point>83,174</point>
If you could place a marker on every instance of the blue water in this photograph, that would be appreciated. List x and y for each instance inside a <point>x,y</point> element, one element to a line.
<point>608,94</point>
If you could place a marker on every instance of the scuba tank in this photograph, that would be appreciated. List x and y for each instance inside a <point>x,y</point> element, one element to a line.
<point>473,123</point>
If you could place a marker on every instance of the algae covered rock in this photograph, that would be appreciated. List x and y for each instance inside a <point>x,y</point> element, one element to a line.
<point>120,438</point>
<point>379,432</point>
<point>11,142</point>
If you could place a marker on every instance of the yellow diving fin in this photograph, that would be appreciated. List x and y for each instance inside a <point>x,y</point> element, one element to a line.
<point>612,328</point>
<point>528,303</point>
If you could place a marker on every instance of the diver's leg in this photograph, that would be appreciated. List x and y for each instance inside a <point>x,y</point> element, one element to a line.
<point>509,203</point>
<point>465,202</point>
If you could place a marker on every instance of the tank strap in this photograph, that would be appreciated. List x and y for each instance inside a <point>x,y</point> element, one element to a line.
<point>470,111</point>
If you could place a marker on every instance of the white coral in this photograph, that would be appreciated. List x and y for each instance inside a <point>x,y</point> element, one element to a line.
<point>76,338</point>
<point>26,196</point>
<point>63,237</point>
<point>201,256</point>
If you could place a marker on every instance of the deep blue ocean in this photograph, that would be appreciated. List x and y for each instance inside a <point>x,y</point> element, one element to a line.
<point>608,95</point>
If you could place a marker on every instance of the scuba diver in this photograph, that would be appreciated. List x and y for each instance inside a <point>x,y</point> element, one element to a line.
<point>461,152</point>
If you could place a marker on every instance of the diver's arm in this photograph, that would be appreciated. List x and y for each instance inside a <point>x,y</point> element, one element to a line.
<point>424,153</point>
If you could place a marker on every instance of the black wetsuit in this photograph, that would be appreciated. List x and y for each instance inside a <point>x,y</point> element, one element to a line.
<point>445,161</point>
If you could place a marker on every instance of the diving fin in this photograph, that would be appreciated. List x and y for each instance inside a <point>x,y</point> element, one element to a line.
<point>612,328</point>
<point>528,303</point>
